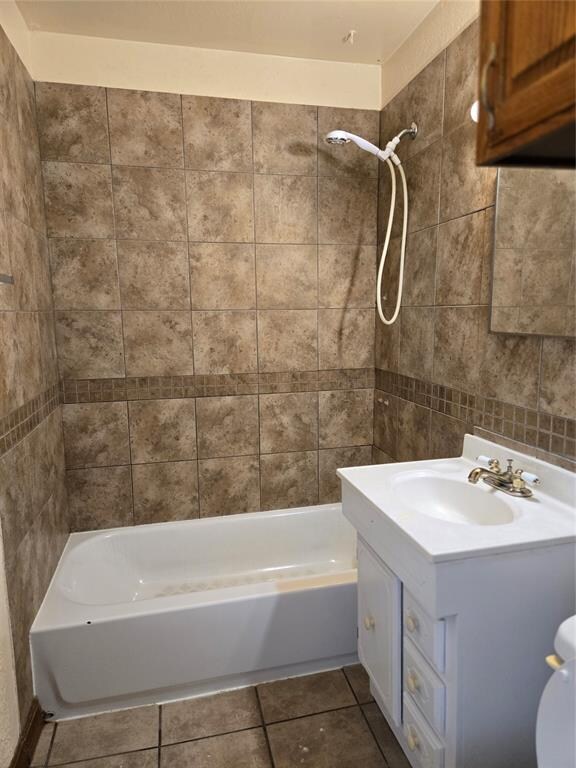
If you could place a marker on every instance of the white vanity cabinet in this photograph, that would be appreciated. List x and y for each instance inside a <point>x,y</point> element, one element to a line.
<point>379,628</point>
<point>454,624</point>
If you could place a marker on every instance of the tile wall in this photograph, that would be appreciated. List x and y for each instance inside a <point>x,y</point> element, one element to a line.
<point>213,275</point>
<point>33,509</point>
<point>439,372</point>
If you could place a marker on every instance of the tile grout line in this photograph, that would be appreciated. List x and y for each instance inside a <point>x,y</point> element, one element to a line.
<point>264,728</point>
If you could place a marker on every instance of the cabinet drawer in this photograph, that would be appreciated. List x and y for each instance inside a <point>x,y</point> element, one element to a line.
<point>426,750</point>
<point>424,686</point>
<point>425,632</point>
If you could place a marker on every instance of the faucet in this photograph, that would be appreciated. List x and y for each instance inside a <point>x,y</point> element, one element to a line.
<point>509,480</point>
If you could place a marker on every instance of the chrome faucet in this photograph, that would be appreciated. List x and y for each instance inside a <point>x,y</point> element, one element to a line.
<point>509,480</point>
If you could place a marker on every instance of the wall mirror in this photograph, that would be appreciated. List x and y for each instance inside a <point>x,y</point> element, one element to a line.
<point>533,277</point>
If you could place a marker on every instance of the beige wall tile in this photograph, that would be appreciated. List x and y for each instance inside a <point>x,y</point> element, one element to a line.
<point>289,479</point>
<point>558,382</point>
<point>99,497</point>
<point>347,159</point>
<point>447,435</point>
<point>287,340</point>
<point>145,128</point>
<point>225,342</point>
<point>29,266</point>
<point>84,274</point>
<point>347,210</point>
<point>162,430</point>
<point>96,434</point>
<point>508,366</point>
<point>153,275</point>
<point>420,101</point>
<point>413,432</point>
<point>222,276</point>
<point>387,345</point>
<point>229,486</point>
<point>285,209</point>
<point>420,269</point>
<point>29,365</point>
<point>289,422</point>
<point>217,134</point>
<point>72,123</point>
<point>461,78</point>
<point>227,426</point>
<point>346,275</point>
<point>287,276</point>
<point>423,179</point>
<point>465,187</point>
<point>345,418</point>
<point>165,492</point>
<point>149,203</point>
<point>456,361</point>
<point>220,207</point>
<point>158,343</point>
<point>460,260</point>
<point>345,338</point>
<point>335,458</point>
<point>90,344</point>
<point>386,422</point>
<point>416,342</point>
<point>284,138</point>
<point>78,200</point>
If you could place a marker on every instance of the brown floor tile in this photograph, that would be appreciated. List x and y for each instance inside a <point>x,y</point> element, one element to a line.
<point>210,715</point>
<point>359,682</point>
<point>331,740</point>
<point>108,734</point>
<point>299,696</point>
<point>387,742</point>
<point>144,759</point>
<point>247,749</point>
<point>42,747</point>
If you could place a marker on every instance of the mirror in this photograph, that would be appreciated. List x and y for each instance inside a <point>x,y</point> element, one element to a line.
<point>533,276</point>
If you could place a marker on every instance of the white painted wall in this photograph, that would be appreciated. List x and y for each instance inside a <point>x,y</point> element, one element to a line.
<point>203,72</point>
<point>9,717</point>
<point>442,25</point>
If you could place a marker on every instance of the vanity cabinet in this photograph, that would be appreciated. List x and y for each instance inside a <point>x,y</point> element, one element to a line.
<point>379,628</point>
<point>527,83</point>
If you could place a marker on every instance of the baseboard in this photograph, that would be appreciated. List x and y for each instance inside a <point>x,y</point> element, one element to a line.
<point>28,737</point>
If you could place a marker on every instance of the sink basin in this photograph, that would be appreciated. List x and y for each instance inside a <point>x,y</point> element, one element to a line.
<point>453,501</point>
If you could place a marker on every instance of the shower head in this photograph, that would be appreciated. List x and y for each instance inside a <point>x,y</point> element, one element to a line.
<point>343,137</point>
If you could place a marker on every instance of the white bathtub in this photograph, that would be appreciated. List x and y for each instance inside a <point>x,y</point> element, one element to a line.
<point>168,611</point>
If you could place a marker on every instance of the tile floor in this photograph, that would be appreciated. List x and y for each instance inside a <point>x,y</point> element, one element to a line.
<point>328,720</point>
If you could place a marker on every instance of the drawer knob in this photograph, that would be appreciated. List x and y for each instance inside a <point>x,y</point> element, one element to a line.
<point>411,622</point>
<point>412,682</point>
<point>369,622</point>
<point>412,739</point>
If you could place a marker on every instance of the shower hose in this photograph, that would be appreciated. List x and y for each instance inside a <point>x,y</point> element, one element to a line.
<point>385,320</point>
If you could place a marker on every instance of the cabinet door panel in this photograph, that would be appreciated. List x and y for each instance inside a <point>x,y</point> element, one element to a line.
<point>379,628</point>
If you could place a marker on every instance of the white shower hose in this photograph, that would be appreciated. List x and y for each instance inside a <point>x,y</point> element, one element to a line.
<point>384,319</point>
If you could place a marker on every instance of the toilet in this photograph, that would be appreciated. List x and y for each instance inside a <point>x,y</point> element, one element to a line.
<point>555,726</point>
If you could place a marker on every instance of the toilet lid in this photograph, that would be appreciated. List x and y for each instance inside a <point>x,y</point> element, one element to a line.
<point>555,735</point>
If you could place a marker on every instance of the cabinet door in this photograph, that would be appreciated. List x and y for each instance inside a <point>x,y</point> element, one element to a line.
<point>527,78</point>
<point>379,628</point>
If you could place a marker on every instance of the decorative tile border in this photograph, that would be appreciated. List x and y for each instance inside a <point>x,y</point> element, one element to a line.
<point>172,387</point>
<point>19,423</point>
<point>552,434</point>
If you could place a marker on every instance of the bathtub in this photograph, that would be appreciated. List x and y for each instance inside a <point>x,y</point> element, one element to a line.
<point>169,611</point>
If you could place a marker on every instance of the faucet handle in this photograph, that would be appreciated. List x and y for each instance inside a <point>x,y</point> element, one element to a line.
<point>528,477</point>
<point>487,461</point>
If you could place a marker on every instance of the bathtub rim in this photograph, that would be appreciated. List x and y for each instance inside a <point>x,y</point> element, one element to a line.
<point>58,612</point>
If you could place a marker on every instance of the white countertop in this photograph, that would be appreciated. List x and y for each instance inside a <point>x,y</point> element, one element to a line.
<point>546,519</point>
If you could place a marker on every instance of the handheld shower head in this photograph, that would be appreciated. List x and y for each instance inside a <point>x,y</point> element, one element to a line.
<point>343,137</point>
<point>337,137</point>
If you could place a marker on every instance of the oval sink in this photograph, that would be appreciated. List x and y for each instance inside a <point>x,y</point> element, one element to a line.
<point>453,501</point>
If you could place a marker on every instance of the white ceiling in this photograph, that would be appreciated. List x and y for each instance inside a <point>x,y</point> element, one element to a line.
<point>311,29</point>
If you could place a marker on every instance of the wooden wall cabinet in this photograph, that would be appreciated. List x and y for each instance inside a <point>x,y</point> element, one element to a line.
<point>527,83</point>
